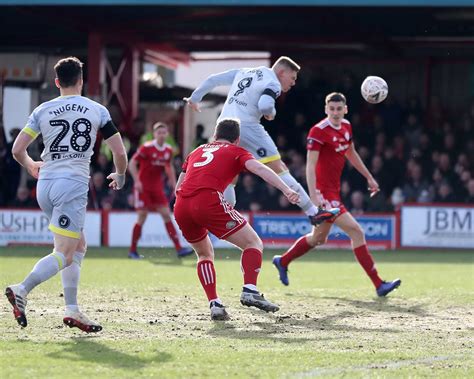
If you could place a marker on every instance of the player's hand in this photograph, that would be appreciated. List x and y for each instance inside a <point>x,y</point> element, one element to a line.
<point>292,196</point>
<point>194,106</point>
<point>269,117</point>
<point>34,167</point>
<point>373,186</point>
<point>138,186</point>
<point>117,181</point>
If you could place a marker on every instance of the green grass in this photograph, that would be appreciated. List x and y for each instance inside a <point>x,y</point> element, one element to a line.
<point>156,319</point>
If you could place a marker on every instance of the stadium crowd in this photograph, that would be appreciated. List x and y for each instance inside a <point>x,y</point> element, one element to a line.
<point>416,153</point>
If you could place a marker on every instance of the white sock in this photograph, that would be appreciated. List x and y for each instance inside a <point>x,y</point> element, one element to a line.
<point>217,300</point>
<point>70,280</point>
<point>305,202</point>
<point>251,287</point>
<point>229,194</point>
<point>44,269</point>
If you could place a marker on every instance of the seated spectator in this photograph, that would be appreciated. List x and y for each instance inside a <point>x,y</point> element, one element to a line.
<point>415,184</point>
<point>98,190</point>
<point>470,192</point>
<point>23,199</point>
<point>247,192</point>
<point>444,194</point>
<point>397,198</point>
<point>270,198</point>
<point>357,206</point>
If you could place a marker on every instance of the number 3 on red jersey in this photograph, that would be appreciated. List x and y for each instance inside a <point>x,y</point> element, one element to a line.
<point>208,155</point>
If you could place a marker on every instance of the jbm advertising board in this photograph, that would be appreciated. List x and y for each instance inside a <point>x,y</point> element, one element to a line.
<point>437,226</point>
<point>282,229</point>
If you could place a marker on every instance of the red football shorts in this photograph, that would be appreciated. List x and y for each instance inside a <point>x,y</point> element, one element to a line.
<point>206,211</point>
<point>150,199</point>
<point>335,200</point>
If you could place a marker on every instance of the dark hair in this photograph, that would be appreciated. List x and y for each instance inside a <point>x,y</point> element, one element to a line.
<point>336,97</point>
<point>288,63</point>
<point>68,71</point>
<point>159,125</point>
<point>228,129</point>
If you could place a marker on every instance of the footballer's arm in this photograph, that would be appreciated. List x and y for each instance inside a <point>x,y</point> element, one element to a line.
<point>171,174</point>
<point>19,152</point>
<point>269,176</point>
<point>180,180</point>
<point>353,156</point>
<point>221,79</point>
<point>120,159</point>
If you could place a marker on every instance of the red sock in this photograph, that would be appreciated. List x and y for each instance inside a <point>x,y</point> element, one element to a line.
<point>251,262</point>
<point>137,232</point>
<point>207,277</point>
<point>367,262</point>
<point>173,235</point>
<point>299,248</point>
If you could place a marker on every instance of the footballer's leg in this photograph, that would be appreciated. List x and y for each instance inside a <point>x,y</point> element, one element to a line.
<point>316,215</point>
<point>347,223</point>
<point>251,262</point>
<point>207,276</point>
<point>136,233</point>
<point>70,276</point>
<point>301,246</point>
<point>165,213</point>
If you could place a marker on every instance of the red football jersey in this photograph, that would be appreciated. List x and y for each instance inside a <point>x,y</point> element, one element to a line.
<point>332,145</point>
<point>212,166</point>
<point>152,159</point>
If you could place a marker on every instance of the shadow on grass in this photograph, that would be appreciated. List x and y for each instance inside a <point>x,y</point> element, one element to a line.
<point>382,305</point>
<point>86,349</point>
<point>283,328</point>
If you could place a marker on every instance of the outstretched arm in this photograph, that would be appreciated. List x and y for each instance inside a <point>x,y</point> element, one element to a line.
<point>311,162</point>
<point>213,81</point>
<point>356,161</point>
<point>269,176</point>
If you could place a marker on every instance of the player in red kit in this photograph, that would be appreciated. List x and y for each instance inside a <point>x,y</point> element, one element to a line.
<point>153,159</point>
<point>329,143</point>
<point>201,208</point>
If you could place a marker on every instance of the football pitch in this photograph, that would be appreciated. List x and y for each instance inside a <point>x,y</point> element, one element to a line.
<point>156,319</point>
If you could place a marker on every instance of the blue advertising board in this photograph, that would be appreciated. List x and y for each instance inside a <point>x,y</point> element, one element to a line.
<point>282,229</point>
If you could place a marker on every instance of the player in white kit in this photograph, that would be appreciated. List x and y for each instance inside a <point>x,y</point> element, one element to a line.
<point>252,95</point>
<point>69,126</point>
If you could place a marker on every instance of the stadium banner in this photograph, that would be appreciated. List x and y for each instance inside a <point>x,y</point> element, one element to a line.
<point>280,230</point>
<point>120,225</point>
<point>442,226</point>
<point>30,227</point>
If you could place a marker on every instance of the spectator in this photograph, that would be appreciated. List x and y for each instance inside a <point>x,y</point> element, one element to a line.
<point>416,184</point>
<point>444,194</point>
<point>357,207</point>
<point>470,190</point>
<point>24,199</point>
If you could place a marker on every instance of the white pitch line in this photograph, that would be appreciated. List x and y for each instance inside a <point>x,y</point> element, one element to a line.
<point>385,365</point>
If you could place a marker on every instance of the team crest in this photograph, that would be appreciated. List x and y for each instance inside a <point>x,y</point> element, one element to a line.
<point>334,139</point>
<point>64,221</point>
<point>346,134</point>
<point>230,224</point>
<point>262,152</point>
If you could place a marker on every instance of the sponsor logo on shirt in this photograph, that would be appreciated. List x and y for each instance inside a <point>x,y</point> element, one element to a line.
<point>56,156</point>
<point>230,224</point>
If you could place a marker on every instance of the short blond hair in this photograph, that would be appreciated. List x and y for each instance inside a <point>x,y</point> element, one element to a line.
<point>288,63</point>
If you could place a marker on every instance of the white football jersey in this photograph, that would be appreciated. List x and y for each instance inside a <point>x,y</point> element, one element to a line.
<point>248,86</point>
<point>69,126</point>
